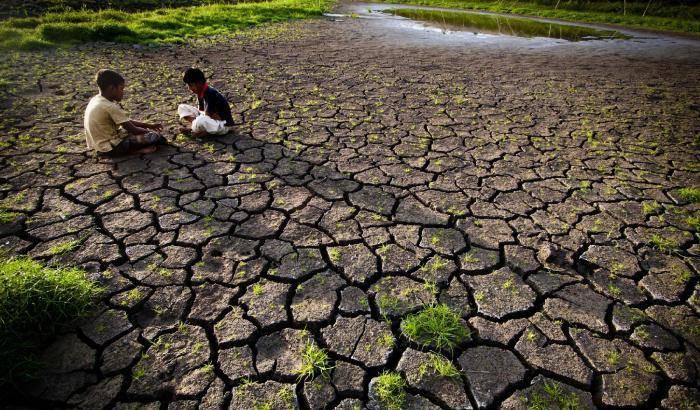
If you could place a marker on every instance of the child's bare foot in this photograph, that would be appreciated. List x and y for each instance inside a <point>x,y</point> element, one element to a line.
<point>146,150</point>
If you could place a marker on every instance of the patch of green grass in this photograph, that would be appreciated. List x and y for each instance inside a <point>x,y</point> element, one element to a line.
<point>437,326</point>
<point>34,301</point>
<point>165,25</point>
<point>663,244</point>
<point>691,195</point>
<point>64,247</point>
<point>314,361</point>
<point>658,16</point>
<point>390,390</point>
<point>651,207</point>
<point>442,366</point>
<point>8,217</point>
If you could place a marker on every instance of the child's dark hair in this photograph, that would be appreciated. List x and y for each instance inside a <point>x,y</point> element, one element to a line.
<point>194,75</point>
<point>106,78</point>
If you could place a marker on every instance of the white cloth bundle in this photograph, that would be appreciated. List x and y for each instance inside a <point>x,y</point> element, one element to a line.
<point>202,122</point>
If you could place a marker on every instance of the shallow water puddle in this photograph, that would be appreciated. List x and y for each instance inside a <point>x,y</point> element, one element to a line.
<point>480,23</point>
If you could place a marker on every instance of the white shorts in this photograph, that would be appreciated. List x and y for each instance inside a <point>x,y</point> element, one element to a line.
<point>202,122</point>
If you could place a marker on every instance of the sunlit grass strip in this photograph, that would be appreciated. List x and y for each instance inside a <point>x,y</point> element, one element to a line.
<point>437,326</point>
<point>681,24</point>
<point>34,300</point>
<point>167,25</point>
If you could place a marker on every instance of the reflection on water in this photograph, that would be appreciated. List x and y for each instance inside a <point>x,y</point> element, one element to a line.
<point>495,24</point>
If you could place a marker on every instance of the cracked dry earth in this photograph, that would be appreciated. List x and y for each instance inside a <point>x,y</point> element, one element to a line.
<point>529,190</point>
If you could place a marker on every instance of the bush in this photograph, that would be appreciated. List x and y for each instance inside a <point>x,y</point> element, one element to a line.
<point>34,301</point>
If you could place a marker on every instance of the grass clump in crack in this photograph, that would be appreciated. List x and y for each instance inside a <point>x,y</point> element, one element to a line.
<point>314,361</point>
<point>390,389</point>
<point>437,326</point>
<point>34,301</point>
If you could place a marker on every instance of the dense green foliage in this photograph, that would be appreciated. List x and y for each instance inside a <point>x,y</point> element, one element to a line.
<point>34,300</point>
<point>658,16</point>
<point>437,326</point>
<point>167,25</point>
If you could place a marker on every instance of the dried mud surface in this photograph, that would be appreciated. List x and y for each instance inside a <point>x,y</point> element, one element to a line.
<point>529,190</point>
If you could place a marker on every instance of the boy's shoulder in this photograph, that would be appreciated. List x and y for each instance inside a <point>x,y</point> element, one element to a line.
<point>213,92</point>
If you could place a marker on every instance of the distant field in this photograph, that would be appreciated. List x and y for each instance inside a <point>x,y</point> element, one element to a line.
<point>652,15</point>
<point>25,8</point>
<point>162,25</point>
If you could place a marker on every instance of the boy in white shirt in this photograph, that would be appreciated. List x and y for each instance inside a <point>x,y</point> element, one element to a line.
<point>104,117</point>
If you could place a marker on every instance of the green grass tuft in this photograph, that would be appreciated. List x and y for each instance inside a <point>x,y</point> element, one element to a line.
<point>437,326</point>
<point>390,390</point>
<point>166,25</point>
<point>689,194</point>
<point>34,301</point>
<point>663,244</point>
<point>314,362</point>
<point>442,366</point>
<point>7,217</point>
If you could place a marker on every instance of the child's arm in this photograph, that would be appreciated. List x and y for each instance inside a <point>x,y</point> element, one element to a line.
<point>157,127</point>
<point>132,128</point>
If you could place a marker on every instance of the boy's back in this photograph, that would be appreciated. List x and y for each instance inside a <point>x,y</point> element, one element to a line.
<point>102,119</point>
<point>213,101</point>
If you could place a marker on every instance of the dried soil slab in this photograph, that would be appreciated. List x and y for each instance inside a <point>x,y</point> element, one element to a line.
<point>614,260</point>
<point>271,395</point>
<point>348,378</point>
<point>412,402</point>
<point>315,298</point>
<point>373,199</point>
<point>500,332</point>
<point>579,304</point>
<point>398,295</point>
<point>680,397</point>
<point>357,261</point>
<point>420,375</point>
<point>360,338</point>
<point>680,319</point>
<point>319,393</point>
<point>479,260</point>
<point>236,362</point>
<point>353,300</point>
<point>281,352</point>
<point>486,233</point>
<point>210,301</point>
<point>177,361</point>
<point>445,241</point>
<point>412,211</point>
<point>550,393</point>
<point>490,371</point>
<point>560,359</point>
<point>264,225</point>
<point>266,302</point>
<point>501,293</point>
<point>233,327</point>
